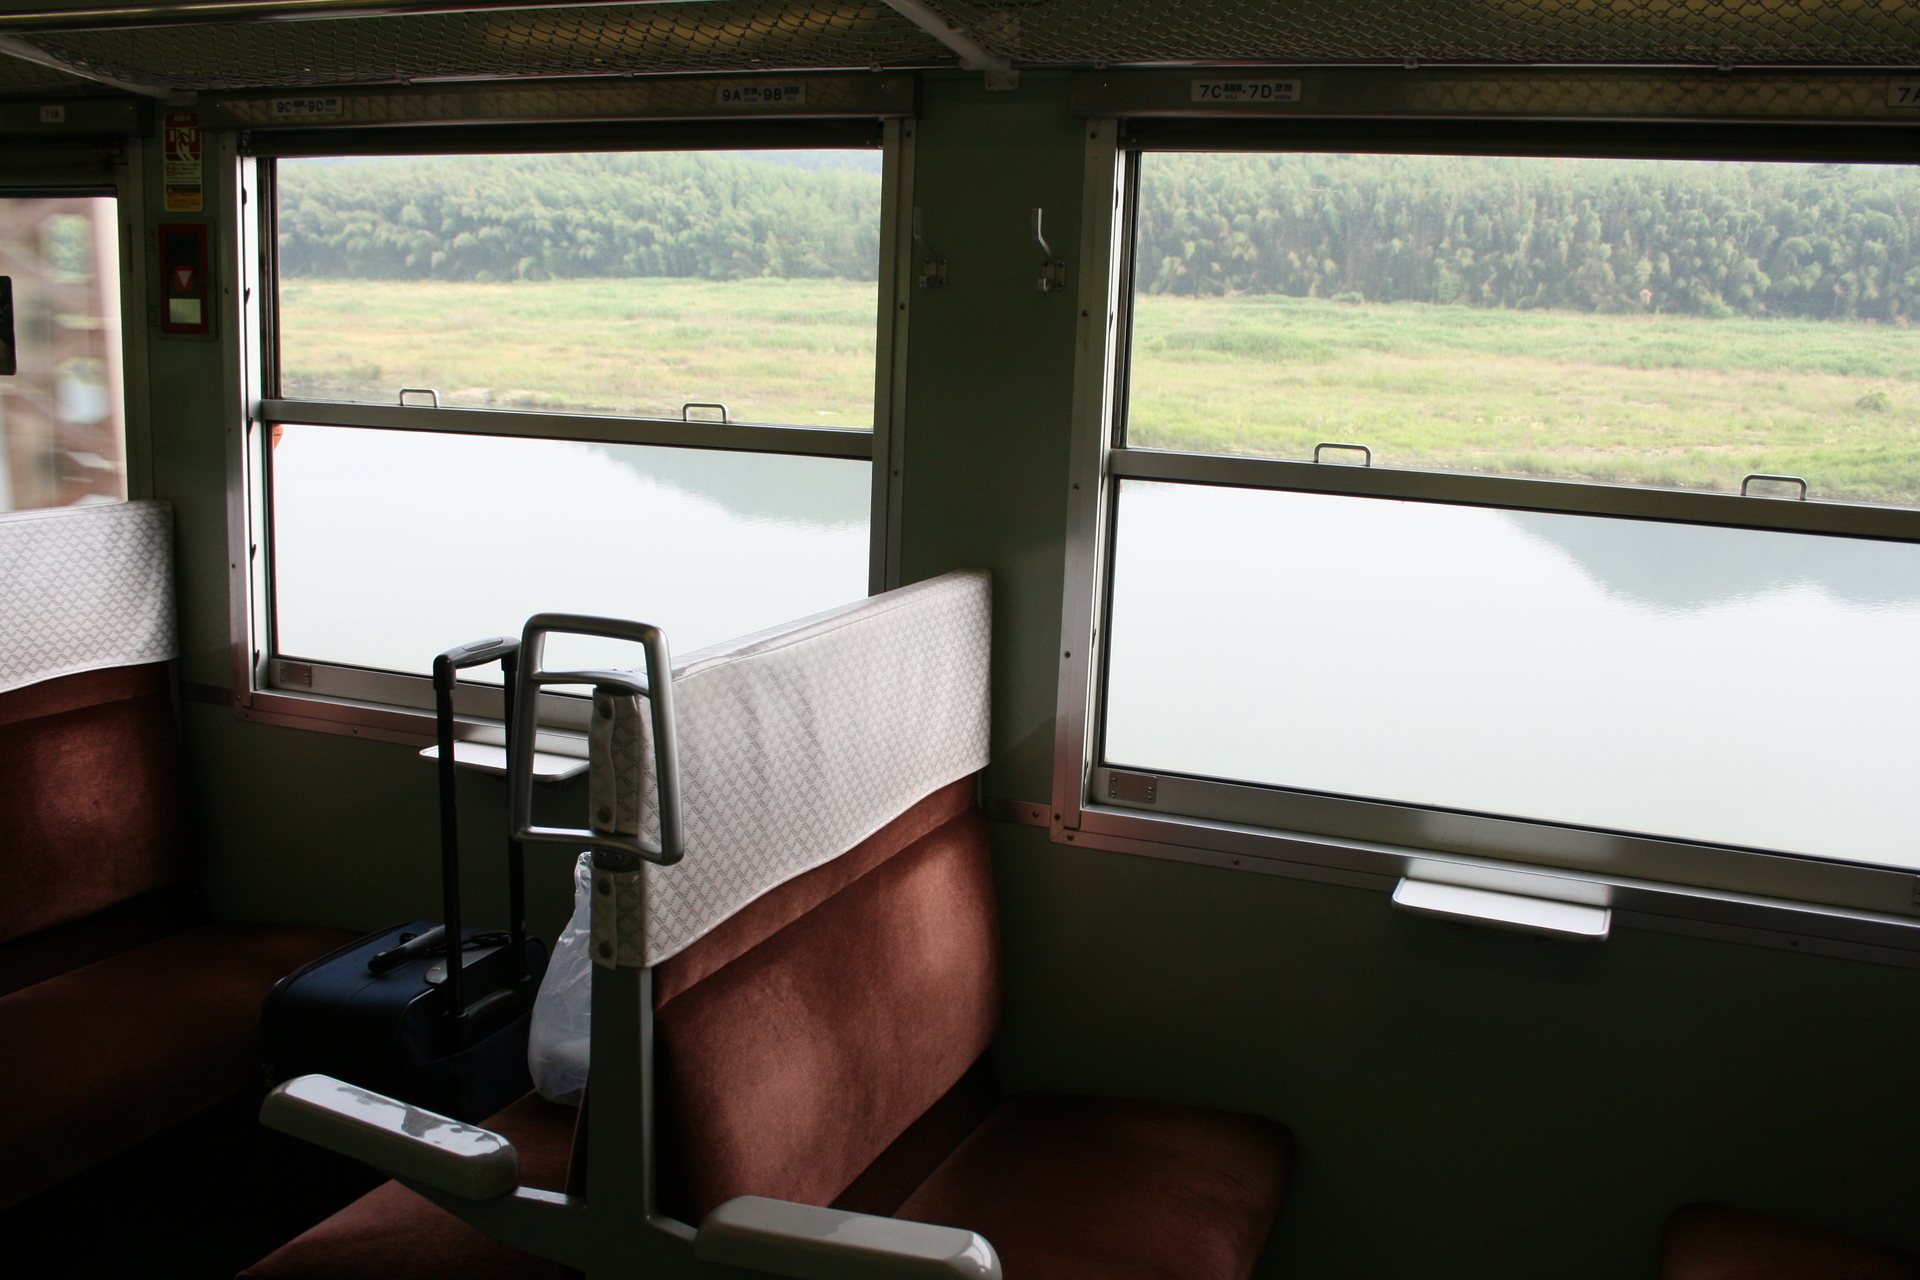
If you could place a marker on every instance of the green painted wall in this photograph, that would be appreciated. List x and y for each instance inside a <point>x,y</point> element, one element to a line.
<point>1466,1103</point>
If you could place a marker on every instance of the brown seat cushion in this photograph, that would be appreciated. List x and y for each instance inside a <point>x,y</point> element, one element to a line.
<point>101,1057</point>
<point>1073,1188</point>
<point>89,796</point>
<point>786,1071</point>
<point>1711,1242</point>
<point>392,1234</point>
<point>121,927</point>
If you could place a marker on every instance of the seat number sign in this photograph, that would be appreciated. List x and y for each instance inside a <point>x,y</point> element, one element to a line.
<point>1903,93</point>
<point>761,95</point>
<point>305,108</point>
<point>1246,91</point>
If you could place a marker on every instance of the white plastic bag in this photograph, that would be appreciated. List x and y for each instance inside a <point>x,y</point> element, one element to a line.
<point>563,1011</point>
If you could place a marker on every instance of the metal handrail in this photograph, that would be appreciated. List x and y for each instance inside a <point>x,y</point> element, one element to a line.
<point>656,687</point>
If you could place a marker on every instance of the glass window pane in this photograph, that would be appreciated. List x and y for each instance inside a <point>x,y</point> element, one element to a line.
<point>628,283</point>
<point>391,546</point>
<point>1678,323</point>
<point>1735,686</point>
<point>61,423</point>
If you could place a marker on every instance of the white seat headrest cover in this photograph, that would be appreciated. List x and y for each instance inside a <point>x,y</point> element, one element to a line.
<point>796,744</point>
<point>83,588</point>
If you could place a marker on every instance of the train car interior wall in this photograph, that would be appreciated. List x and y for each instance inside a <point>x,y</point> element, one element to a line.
<point>1449,479</point>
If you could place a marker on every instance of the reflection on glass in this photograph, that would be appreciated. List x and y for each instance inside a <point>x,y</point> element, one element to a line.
<point>1653,322</point>
<point>60,415</point>
<point>1724,685</point>
<point>391,546</point>
<point>628,283</point>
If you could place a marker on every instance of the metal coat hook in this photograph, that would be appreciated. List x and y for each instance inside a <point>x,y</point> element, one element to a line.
<point>1053,271</point>
<point>933,267</point>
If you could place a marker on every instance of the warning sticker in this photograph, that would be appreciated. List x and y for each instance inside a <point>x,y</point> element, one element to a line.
<point>184,192</point>
<point>183,136</point>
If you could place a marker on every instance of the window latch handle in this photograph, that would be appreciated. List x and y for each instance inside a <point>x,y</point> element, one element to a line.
<point>1334,444</point>
<point>1761,475</point>
<point>933,267</point>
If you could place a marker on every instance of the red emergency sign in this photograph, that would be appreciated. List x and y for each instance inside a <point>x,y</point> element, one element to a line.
<point>183,137</point>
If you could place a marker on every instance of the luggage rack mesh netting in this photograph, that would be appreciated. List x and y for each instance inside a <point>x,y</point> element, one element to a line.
<point>725,35</point>
<point>754,35</point>
<point>19,75</point>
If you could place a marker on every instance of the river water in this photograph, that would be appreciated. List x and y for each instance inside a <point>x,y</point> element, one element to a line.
<point>391,546</point>
<point>1726,685</point>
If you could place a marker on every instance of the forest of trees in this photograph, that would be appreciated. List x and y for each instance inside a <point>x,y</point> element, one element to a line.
<point>1584,235</point>
<point>1707,239</point>
<point>718,217</point>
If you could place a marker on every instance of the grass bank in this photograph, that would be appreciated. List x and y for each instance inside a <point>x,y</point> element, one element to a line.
<point>790,351</point>
<point>1632,399</point>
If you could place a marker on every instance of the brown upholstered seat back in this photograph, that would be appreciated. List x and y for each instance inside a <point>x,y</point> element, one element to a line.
<point>89,813</point>
<point>804,1035</point>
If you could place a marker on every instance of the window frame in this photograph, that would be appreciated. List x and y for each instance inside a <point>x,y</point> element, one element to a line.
<point>1791,901</point>
<point>397,707</point>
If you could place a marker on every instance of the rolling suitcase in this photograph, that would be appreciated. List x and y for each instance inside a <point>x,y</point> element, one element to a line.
<point>388,1012</point>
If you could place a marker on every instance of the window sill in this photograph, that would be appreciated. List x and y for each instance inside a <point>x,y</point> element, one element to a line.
<point>561,754</point>
<point>1720,915</point>
<point>491,759</point>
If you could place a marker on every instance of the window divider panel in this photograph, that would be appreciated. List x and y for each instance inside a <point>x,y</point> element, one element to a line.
<point>1576,498</point>
<point>1103,245</point>
<point>739,437</point>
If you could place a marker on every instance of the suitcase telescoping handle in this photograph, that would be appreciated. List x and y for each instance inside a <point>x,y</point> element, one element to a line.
<point>446,668</point>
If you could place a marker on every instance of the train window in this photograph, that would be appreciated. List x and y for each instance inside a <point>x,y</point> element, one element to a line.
<point>61,420</point>
<point>633,385</point>
<point>1558,510</point>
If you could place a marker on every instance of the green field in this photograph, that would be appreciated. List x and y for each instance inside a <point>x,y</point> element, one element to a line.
<point>791,351</point>
<point>1636,399</point>
<point>1645,399</point>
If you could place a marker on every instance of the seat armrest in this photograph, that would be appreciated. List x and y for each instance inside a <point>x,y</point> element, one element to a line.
<point>782,1238</point>
<point>461,1159</point>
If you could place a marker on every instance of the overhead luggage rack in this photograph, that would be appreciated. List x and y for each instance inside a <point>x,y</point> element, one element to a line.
<point>242,48</point>
<point>735,36</point>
